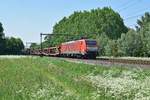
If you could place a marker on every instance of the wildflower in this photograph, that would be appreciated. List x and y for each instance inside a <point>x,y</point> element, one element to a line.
<point>119,87</point>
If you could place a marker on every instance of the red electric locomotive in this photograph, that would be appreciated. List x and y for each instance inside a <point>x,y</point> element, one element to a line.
<point>85,48</point>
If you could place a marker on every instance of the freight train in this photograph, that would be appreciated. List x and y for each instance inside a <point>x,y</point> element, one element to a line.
<point>84,48</point>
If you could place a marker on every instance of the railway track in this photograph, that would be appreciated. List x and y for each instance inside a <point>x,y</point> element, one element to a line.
<point>113,62</point>
<point>127,61</point>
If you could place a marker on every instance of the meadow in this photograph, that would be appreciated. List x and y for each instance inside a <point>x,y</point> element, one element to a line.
<point>35,78</point>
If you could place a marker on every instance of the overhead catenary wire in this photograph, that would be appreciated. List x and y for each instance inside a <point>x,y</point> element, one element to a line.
<point>135,16</point>
<point>126,3</point>
<point>129,4</point>
<point>136,13</point>
<point>141,10</point>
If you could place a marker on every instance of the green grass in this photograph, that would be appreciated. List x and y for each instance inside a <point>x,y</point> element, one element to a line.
<point>55,79</point>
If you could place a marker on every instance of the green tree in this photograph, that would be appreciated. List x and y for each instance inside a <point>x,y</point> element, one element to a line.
<point>143,29</point>
<point>143,21</point>
<point>111,49</point>
<point>2,41</point>
<point>130,44</point>
<point>10,45</point>
<point>13,45</point>
<point>145,36</point>
<point>122,45</point>
<point>88,24</point>
<point>34,46</point>
<point>1,31</point>
<point>102,41</point>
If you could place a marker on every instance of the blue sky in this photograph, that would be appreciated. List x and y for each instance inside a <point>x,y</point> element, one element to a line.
<point>26,19</point>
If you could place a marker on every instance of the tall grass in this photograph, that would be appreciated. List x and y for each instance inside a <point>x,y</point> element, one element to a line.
<point>27,78</point>
<point>54,79</point>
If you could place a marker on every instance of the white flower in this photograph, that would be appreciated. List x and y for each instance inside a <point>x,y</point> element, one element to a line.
<point>123,86</point>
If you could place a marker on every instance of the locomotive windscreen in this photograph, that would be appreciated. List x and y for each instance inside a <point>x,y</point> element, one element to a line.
<point>90,42</point>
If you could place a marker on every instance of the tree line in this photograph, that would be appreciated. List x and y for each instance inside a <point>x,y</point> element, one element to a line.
<point>107,27</point>
<point>135,42</point>
<point>88,24</point>
<point>9,45</point>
